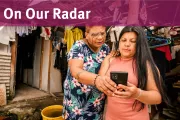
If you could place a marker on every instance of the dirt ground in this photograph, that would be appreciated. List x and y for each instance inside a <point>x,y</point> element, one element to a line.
<point>28,109</point>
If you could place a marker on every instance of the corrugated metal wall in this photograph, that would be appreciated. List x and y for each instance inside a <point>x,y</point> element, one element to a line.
<point>5,70</point>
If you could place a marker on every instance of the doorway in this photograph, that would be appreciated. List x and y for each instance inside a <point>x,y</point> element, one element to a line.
<point>26,65</point>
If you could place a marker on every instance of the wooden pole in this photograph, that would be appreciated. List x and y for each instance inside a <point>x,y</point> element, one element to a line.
<point>13,68</point>
<point>49,66</point>
<point>41,63</point>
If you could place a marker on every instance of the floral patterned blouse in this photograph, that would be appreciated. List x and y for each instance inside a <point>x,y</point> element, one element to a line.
<point>84,102</point>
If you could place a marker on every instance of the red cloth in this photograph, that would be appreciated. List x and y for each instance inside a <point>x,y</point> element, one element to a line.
<point>47,31</point>
<point>165,49</point>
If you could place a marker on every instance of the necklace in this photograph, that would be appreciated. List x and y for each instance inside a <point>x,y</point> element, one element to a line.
<point>126,59</point>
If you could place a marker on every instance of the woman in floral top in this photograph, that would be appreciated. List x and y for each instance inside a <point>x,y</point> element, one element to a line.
<point>83,89</point>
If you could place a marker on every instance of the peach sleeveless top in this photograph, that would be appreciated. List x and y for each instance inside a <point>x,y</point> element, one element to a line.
<point>121,109</point>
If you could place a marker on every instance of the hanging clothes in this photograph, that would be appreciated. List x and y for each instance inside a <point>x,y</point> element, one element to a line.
<point>71,35</point>
<point>46,32</point>
<point>24,30</point>
<point>56,38</point>
<point>77,34</point>
<point>174,49</point>
<point>7,34</point>
<point>64,63</point>
<point>114,35</point>
<point>57,62</point>
<point>165,49</point>
<point>61,61</point>
<point>68,39</point>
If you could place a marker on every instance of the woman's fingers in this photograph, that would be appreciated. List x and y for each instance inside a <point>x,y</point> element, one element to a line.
<point>108,88</point>
<point>103,86</point>
<point>130,90</point>
<point>123,97</point>
<point>120,86</point>
<point>113,84</point>
<point>110,84</point>
<point>122,94</point>
<point>120,89</point>
<point>130,84</point>
<point>106,85</point>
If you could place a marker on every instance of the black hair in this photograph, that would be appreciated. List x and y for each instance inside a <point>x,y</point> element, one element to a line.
<point>141,57</point>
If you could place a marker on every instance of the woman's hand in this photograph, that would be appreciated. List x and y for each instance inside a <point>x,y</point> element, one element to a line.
<point>127,92</point>
<point>113,53</point>
<point>105,85</point>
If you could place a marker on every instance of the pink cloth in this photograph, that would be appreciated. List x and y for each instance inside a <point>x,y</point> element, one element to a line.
<point>121,109</point>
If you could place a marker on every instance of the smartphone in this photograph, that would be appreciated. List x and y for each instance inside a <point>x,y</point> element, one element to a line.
<point>119,77</point>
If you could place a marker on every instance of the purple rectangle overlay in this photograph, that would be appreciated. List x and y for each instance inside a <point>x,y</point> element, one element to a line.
<point>89,12</point>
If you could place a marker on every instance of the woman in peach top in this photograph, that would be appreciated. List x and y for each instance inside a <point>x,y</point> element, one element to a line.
<point>144,82</point>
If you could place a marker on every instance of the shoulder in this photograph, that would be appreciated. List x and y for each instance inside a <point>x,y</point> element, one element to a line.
<point>77,50</point>
<point>109,58</point>
<point>79,43</point>
<point>105,46</point>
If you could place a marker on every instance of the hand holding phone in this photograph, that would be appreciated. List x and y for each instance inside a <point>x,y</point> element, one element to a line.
<point>119,77</point>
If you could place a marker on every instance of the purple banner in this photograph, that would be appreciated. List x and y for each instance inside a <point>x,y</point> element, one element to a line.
<point>89,12</point>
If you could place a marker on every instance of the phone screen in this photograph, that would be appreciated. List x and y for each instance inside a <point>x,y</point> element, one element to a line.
<point>119,77</point>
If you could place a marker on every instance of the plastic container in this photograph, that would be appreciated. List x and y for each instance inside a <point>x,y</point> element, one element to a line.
<point>53,112</point>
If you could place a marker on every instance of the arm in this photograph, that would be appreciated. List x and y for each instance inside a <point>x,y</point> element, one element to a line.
<point>151,95</point>
<point>106,83</point>
<point>76,69</point>
<point>102,83</point>
<point>76,62</point>
<point>105,65</point>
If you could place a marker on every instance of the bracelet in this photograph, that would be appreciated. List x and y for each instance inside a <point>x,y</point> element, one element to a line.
<point>140,92</point>
<point>95,80</point>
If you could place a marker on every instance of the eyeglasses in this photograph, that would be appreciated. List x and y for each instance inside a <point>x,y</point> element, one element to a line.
<point>96,35</point>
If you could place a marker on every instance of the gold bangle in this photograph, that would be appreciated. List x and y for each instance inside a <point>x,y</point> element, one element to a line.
<point>95,80</point>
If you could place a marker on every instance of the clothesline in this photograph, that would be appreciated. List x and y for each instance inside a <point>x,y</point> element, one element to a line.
<point>8,33</point>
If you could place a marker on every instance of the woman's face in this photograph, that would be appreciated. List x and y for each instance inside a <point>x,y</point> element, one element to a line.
<point>96,36</point>
<point>127,45</point>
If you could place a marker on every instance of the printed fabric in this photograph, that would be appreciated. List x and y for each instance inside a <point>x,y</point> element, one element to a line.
<point>84,102</point>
